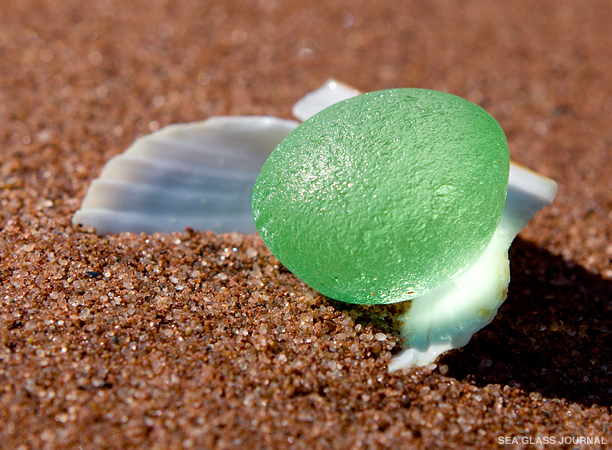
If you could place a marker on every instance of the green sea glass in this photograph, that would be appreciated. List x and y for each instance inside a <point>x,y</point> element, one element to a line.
<point>384,196</point>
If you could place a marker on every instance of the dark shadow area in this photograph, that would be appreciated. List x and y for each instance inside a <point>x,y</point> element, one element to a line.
<point>553,335</point>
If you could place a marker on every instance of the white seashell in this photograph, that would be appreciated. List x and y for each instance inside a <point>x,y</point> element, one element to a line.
<point>200,175</point>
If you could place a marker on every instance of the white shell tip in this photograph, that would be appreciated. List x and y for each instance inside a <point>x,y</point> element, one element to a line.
<point>331,92</point>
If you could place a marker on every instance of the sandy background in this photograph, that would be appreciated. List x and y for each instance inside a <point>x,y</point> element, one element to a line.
<point>196,340</point>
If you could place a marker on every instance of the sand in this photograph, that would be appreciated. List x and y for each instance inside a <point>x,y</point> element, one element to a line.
<point>197,340</point>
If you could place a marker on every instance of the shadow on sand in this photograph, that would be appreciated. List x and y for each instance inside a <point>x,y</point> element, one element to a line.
<point>553,335</point>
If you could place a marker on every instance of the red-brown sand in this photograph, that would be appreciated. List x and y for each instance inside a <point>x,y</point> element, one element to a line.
<point>196,340</point>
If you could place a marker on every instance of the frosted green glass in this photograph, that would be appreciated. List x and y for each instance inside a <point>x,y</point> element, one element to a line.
<point>385,196</point>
